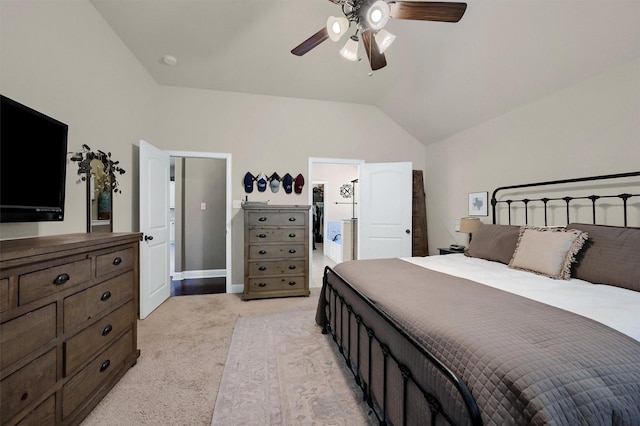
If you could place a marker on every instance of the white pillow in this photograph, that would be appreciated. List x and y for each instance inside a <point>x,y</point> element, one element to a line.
<point>547,251</point>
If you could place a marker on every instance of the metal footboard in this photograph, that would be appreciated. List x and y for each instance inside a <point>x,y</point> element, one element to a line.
<point>402,382</point>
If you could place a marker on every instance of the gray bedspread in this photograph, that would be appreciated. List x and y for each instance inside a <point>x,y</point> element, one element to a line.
<point>525,362</point>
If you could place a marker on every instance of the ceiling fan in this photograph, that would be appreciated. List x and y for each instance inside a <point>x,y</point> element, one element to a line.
<point>369,18</point>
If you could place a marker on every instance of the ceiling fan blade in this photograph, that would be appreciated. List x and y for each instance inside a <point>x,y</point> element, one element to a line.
<point>311,42</point>
<point>428,11</point>
<point>376,59</point>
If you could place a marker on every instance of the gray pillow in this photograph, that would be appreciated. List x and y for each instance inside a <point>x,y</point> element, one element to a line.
<point>494,242</point>
<point>610,256</point>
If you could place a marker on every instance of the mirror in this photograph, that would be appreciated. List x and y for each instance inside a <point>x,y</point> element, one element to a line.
<point>99,199</point>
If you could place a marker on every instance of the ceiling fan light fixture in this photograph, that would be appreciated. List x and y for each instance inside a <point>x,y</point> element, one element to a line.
<point>378,15</point>
<point>350,49</point>
<point>384,39</point>
<point>336,27</point>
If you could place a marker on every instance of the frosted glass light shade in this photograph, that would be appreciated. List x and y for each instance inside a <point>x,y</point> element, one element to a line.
<point>378,15</point>
<point>384,39</point>
<point>350,50</point>
<point>336,27</point>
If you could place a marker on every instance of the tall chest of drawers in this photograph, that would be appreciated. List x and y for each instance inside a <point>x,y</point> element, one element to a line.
<point>68,331</point>
<point>276,251</point>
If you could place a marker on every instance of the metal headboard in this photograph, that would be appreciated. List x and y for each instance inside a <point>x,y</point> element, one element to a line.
<point>567,199</point>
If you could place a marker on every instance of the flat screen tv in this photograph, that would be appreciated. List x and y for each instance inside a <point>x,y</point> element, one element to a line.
<point>33,164</point>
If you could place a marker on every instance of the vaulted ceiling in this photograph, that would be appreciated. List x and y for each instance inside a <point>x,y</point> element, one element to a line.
<point>441,78</point>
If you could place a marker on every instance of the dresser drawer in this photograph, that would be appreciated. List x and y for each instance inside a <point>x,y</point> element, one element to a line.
<point>277,218</point>
<point>276,251</point>
<point>44,414</point>
<point>24,334</point>
<point>276,235</point>
<point>26,385</point>
<point>259,285</point>
<point>36,285</point>
<point>4,295</point>
<point>277,267</point>
<point>83,384</point>
<point>119,261</point>
<point>93,339</point>
<point>89,303</point>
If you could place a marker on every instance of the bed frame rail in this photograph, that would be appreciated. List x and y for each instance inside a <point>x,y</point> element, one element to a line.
<point>567,199</point>
<point>343,316</point>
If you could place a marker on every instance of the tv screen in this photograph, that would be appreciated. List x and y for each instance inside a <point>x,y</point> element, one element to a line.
<point>33,164</point>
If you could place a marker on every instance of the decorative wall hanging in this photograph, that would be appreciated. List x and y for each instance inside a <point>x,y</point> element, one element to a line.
<point>346,190</point>
<point>478,204</point>
<point>289,183</point>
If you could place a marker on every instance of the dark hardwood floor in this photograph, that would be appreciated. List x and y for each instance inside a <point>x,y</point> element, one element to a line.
<point>198,286</point>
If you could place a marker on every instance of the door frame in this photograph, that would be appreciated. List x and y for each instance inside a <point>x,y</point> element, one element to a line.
<point>228,203</point>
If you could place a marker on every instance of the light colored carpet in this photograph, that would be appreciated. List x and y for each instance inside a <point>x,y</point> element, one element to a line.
<point>281,370</point>
<point>184,345</point>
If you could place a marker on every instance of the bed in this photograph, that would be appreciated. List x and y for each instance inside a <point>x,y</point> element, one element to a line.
<point>531,325</point>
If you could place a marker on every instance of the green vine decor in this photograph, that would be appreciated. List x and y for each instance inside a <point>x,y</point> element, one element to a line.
<point>84,157</point>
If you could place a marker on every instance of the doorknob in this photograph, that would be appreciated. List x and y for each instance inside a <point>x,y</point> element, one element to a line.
<point>408,231</point>
<point>148,237</point>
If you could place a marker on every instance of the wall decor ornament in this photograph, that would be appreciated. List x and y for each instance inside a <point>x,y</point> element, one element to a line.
<point>346,190</point>
<point>478,205</point>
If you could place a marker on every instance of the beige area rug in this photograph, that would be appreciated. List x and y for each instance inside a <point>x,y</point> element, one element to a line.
<point>281,370</point>
<point>184,345</point>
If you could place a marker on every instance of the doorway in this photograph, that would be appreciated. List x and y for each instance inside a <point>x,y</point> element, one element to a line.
<point>200,218</point>
<point>328,176</point>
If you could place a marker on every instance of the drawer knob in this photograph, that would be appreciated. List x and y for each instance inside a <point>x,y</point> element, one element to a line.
<point>292,283</point>
<point>107,330</point>
<point>105,365</point>
<point>117,261</point>
<point>262,268</point>
<point>262,236</point>
<point>292,219</point>
<point>292,235</point>
<point>61,279</point>
<point>292,267</point>
<point>262,252</point>
<point>105,296</point>
<point>24,396</point>
<point>292,251</point>
<point>262,284</point>
<point>262,219</point>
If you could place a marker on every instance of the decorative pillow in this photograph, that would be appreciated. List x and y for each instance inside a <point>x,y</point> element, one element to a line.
<point>494,242</point>
<point>611,256</point>
<point>547,251</point>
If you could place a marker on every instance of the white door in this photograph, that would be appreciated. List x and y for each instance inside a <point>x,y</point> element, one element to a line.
<point>385,204</point>
<point>155,281</point>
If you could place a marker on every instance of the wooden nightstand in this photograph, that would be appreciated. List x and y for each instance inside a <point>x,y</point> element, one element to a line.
<point>447,250</point>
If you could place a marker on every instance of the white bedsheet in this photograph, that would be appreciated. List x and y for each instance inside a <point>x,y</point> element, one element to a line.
<point>615,307</point>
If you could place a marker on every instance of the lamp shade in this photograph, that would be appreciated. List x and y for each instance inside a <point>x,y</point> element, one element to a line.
<point>470,225</point>
<point>350,49</point>
<point>336,27</point>
<point>384,39</point>
<point>378,15</point>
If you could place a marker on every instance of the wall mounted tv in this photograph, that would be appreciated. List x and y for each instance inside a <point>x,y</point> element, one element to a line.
<point>33,164</point>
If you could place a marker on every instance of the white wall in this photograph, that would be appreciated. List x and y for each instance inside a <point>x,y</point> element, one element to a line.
<point>271,134</point>
<point>60,58</point>
<point>591,128</point>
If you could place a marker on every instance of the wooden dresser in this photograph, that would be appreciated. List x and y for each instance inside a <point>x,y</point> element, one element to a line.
<point>68,323</point>
<point>276,251</point>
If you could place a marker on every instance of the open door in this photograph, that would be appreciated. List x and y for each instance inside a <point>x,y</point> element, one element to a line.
<point>385,208</point>
<point>155,281</point>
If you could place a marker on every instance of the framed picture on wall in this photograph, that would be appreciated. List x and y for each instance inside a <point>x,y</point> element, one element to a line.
<point>478,205</point>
